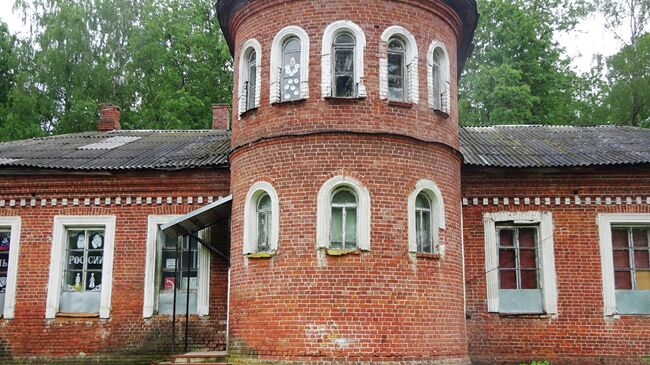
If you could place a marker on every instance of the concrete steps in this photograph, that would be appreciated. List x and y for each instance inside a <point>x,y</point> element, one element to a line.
<point>203,358</point>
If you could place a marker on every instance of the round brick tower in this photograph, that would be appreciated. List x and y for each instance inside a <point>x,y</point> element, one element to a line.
<point>370,111</point>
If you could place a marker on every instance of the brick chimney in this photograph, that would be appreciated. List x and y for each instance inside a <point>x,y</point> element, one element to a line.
<point>109,118</point>
<point>221,117</point>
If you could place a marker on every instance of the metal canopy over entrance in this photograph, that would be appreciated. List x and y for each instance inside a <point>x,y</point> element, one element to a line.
<point>188,226</point>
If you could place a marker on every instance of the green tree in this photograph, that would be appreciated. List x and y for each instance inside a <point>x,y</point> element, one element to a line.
<point>518,73</point>
<point>162,61</point>
<point>628,72</point>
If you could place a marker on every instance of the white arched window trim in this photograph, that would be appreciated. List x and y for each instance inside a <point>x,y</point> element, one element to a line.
<point>330,33</point>
<point>437,210</point>
<point>243,68</point>
<point>412,88</point>
<point>276,61</point>
<point>250,217</point>
<point>445,78</point>
<point>324,211</point>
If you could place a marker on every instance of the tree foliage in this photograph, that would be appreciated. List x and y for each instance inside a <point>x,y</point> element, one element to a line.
<point>518,74</point>
<point>164,62</point>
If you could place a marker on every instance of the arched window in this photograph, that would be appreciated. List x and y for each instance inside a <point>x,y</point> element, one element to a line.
<point>343,212</point>
<point>342,60</point>
<point>426,217</point>
<point>290,87</point>
<point>439,79</point>
<point>423,223</point>
<point>264,214</point>
<point>250,83</point>
<point>397,70</point>
<point>289,65</point>
<point>249,76</point>
<point>261,220</point>
<point>343,225</point>
<point>398,66</point>
<point>343,51</point>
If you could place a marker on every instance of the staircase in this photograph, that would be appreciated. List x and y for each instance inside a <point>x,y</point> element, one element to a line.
<point>204,358</point>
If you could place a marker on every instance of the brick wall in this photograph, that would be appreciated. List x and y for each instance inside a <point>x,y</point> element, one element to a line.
<point>426,20</point>
<point>302,306</point>
<point>580,333</point>
<point>126,335</point>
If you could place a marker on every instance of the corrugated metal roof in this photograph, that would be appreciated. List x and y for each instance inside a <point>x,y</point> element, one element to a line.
<point>497,146</point>
<point>135,150</point>
<point>554,146</point>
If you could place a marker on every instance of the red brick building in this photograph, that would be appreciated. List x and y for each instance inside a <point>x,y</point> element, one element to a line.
<point>343,218</point>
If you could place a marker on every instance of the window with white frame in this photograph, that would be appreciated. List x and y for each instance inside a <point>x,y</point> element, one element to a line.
<point>9,248</point>
<point>398,73</point>
<point>81,265</point>
<point>625,256</point>
<point>261,219</point>
<point>519,263</point>
<point>343,224</point>
<point>343,215</point>
<point>175,264</point>
<point>249,76</point>
<point>439,79</point>
<point>290,65</point>
<point>426,217</point>
<point>342,60</point>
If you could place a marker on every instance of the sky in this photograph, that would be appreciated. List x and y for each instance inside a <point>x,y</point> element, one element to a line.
<point>588,39</point>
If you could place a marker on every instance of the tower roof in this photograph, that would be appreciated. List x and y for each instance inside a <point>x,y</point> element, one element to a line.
<point>466,10</point>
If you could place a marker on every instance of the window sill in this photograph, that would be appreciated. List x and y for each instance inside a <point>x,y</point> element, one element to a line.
<point>261,255</point>
<point>400,104</point>
<point>428,256</point>
<point>527,315</point>
<point>248,111</point>
<point>289,102</point>
<point>343,99</point>
<point>78,315</point>
<point>336,252</point>
<point>441,113</point>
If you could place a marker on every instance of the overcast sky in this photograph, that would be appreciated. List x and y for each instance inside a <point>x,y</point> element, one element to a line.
<point>589,38</point>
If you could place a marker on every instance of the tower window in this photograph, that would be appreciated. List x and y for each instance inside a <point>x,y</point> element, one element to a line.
<point>251,82</point>
<point>291,73</point>
<point>344,68</point>
<point>423,223</point>
<point>264,215</point>
<point>435,72</point>
<point>343,226</point>
<point>396,70</point>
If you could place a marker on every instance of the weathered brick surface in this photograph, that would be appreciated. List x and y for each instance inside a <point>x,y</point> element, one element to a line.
<point>580,334</point>
<point>426,20</point>
<point>29,337</point>
<point>383,305</point>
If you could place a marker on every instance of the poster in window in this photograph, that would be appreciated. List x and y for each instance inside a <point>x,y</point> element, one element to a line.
<point>170,264</point>
<point>5,241</point>
<point>3,285</point>
<point>169,283</point>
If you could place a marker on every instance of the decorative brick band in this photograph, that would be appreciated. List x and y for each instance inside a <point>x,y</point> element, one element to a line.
<point>105,201</point>
<point>557,201</point>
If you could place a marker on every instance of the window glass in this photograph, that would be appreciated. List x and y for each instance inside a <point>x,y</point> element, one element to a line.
<point>291,70</point>
<point>437,88</point>
<point>631,254</point>
<point>84,260</point>
<point>518,266</point>
<point>396,69</point>
<point>343,226</point>
<point>423,224</point>
<point>344,85</point>
<point>263,223</point>
<point>5,243</point>
<point>251,84</point>
<point>179,252</point>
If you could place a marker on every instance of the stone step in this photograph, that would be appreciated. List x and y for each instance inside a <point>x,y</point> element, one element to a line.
<point>207,357</point>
